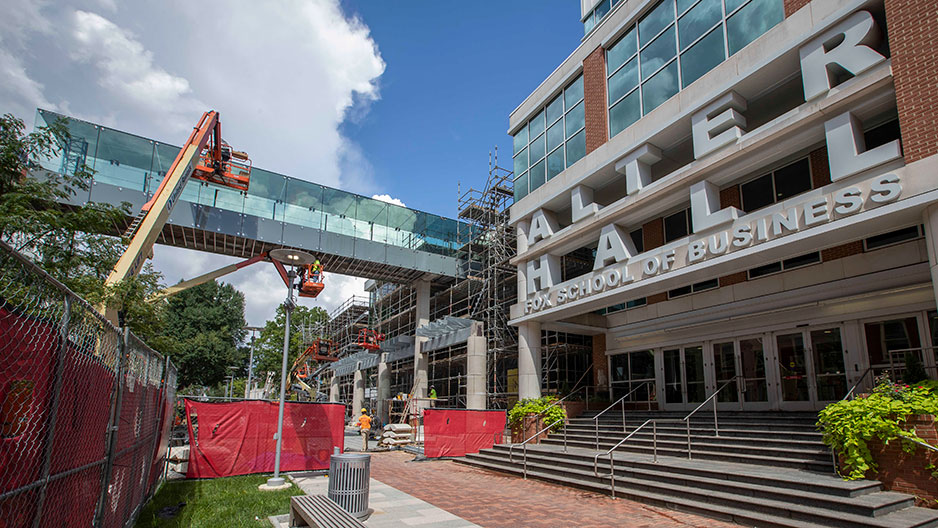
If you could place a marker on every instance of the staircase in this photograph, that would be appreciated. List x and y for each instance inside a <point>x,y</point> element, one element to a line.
<point>765,469</point>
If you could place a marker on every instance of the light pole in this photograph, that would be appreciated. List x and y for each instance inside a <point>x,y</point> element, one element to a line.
<point>291,258</point>
<point>247,387</point>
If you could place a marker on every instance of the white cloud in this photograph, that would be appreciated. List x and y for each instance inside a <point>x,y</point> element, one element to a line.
<point>387,198</point>
<point>127,70</point>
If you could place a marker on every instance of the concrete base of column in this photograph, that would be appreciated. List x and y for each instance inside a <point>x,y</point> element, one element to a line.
<point>476,394</point>
<point>334,389</point>
<point>358,393</point>
<point>384,389</point>
<point>529,360</point>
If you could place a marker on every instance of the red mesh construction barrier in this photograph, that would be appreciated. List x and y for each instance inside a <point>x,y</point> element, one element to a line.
<point>238,438</point>
<point>455,432</point>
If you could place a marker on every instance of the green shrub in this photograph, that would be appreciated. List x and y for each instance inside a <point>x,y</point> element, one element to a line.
<point>848,425</point>
<point>537,406</point>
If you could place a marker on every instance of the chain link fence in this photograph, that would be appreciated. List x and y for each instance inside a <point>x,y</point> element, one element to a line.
<point>85,408</point>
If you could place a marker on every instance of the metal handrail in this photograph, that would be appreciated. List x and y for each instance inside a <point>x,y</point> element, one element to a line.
<point>857,384</point>
<point>622,400</point>
<point>612,471</point>
<point>923,444</point>
<point>712,397</point>
<point>561,400</point>
<point>524,444</point>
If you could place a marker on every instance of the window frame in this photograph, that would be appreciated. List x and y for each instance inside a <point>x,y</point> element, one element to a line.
<point>771,174</point>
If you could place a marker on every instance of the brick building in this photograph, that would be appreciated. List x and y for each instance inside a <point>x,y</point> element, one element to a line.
<point>755,184</point>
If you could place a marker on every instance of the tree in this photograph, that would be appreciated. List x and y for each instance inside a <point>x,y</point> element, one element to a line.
<point>207,324</point>
<point>268,352</point>
<point>70,242</point>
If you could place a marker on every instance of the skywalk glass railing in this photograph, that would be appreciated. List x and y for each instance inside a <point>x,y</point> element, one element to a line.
<point>137,163</point>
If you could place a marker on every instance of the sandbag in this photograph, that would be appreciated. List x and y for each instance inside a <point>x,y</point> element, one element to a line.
<point>398,428</point>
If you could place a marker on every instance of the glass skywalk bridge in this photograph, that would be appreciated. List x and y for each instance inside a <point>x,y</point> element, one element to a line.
<point>351,234</point>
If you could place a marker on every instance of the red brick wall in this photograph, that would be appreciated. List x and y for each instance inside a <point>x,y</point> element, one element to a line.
<point>820,167</point>
<point>729,197</point>
<point>794,5</point>
<point>594,96</point>
<point>845,250</point>
<point>913,25</point>
<point>735,278</point>
<point>653,234</point>
<point>908,473</point>
<point>600,372</point>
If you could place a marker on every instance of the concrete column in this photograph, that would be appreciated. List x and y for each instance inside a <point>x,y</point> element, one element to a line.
<point>476,393</point>
<point>358,392</point>
<point>384,388</point>
<point>334,389</point>
<point>529,360</point>
<point>422,317</point>
<point>930,219</point>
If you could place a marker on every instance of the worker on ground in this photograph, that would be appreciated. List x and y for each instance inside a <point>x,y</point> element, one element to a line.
<point>364,423</point>
<point>432,396</point>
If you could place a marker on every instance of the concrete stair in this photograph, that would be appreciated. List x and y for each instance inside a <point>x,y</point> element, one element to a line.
<point>745,475</point>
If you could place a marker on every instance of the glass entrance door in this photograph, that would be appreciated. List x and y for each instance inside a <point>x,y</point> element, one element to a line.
<point>744,358</point>
<point>811,368</point>
<point>684,384</point>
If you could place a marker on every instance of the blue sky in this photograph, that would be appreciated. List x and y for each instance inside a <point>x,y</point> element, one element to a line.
<point>455,70</point>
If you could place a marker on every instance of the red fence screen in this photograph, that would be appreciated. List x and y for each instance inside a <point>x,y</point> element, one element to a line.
<point>238,438</point>
<point>455,432</point>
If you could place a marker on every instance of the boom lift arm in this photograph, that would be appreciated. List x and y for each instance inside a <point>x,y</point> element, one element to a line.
<point>204,156</point>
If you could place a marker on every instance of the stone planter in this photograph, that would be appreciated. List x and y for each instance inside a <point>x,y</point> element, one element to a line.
<point>908,472</point>
<point>529,425</point>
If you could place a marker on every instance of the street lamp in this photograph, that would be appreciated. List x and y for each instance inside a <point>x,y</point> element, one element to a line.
<point>247,386</point>
<point>291,258</point>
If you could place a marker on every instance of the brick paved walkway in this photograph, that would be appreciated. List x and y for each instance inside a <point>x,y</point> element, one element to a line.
<point>494,500</point>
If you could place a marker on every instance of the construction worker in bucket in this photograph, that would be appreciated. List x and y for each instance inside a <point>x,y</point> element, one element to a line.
<point>364,423</point>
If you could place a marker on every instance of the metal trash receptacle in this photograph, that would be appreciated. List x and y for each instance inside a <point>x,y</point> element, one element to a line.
<point>349,477</point>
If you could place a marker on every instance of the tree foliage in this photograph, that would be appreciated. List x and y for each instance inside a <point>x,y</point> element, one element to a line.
<point>70,242</point>
<point>268,352</point>
<point>207,324</point>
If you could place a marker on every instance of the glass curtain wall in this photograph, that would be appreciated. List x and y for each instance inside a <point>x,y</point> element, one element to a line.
<point>673,45</point>
<point>551,141</point>
<point>136,163</point>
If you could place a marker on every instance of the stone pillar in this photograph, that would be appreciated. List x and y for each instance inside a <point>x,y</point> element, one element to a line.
<point>529,360</point>
<point>384,388</point>
<point>600,364</point>
<point>476,393</point>
<point>358,392</point>
<point>334,388</point>
<point>930,219</point>
<point>422,317</point>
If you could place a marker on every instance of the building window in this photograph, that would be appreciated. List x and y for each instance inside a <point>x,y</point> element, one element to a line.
<point>893,237</point>
<point>785,265</point>
<point>633,372</point>
<point>551,141</point>
<point>673,45</point>
<point>677,226</point>
<point>694,288</point>
<point>776,186</point>
<point>598,13</point>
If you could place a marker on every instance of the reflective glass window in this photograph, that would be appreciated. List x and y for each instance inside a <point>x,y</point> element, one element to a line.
<point>660,88</point>
<point>536,151</point>
<point>555,163</point>
<point>676,226</point>
<point>536,125</point>
<point>588,24</point>
<point>537,175</point>
<point>555,136</point>
<point>521,162</point>
<point>521,139</point>
<point>702,57</point>
<point>576,148</point>
<point>554,110</point>
<point>621,51</point>
<point>699,20</point>
<point>757,193</point>
<point>601,10</point>
<point>655,21</point>
<point>573,94</point>
<point>754,19</point>
<point>658,53</point>
<point>624,113</point>
<point>732,5</point>
<point>682,5</point>
<point>623,81</point>
<point>792,179</point>
<point>521,187</point>
<point>575,120</point>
